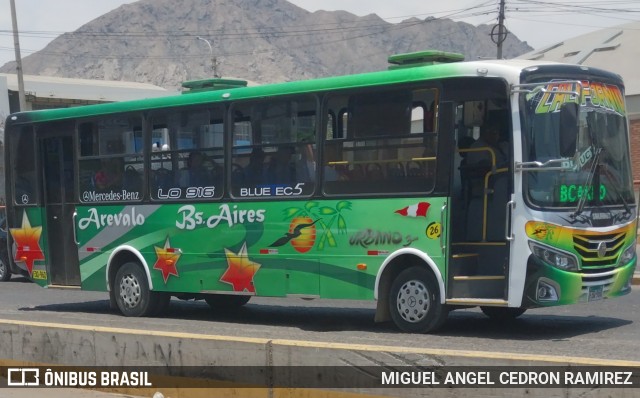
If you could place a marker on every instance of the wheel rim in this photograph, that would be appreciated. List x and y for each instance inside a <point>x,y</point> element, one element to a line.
<point>413,301</point>
<point>3,269</point>
<point>130,291</point>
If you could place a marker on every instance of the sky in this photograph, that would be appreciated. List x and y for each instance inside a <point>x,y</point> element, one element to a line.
<point>540,23</point>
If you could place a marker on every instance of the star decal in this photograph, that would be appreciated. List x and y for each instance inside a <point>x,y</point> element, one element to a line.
<point>27,241</point>
<point>241,270</point>
<point>167,259</point>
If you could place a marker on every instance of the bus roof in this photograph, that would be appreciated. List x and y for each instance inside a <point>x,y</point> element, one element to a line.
<point>501,68</point>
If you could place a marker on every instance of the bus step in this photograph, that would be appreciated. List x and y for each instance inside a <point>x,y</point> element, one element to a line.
<point>478,301</point>
<point>478,286</point>
<point>464,264</point>
<point>64,287</point>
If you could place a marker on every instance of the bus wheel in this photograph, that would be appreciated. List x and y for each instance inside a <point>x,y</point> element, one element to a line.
<point>5,272</point>
<point>414,301</point>
<point>502,313</point>
<point>222,301</point>
<point>131,291</point>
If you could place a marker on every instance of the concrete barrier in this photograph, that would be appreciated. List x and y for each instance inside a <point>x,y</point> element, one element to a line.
<point>44,344</point>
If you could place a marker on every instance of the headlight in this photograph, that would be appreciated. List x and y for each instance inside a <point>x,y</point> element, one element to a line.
<point>627,255</point>
<point>556,258</point>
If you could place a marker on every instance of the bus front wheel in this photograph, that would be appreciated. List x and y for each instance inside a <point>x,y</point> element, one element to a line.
<point>132,293</point>
<point>414,301</point>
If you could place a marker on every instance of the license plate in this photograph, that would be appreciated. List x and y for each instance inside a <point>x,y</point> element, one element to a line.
<point>595,293</point>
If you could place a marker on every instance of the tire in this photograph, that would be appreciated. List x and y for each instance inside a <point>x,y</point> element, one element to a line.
<point>414,301</point>
<point>225,301</point>
<point>5,272</point>
<point>131,291</point>
<point>502,313</point>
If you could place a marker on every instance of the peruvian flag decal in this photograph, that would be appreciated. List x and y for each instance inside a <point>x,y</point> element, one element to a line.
<point>417,210</point>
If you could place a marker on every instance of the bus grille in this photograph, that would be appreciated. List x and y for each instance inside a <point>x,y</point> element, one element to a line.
<point>604,279</point>
<point>587,247</point>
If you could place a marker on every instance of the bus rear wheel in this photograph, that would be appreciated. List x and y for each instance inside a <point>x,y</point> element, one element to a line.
<point>502,313</point>
<point>132,293</point>
<point>5,272</point>
<point>222,301</point>
<point>414,301</point>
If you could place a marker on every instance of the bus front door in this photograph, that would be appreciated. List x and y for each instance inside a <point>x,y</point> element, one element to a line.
<point>58,168</point>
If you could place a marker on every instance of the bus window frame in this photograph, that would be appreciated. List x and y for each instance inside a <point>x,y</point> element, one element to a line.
<point>232,119</point>
<point>213,109</point>
<point>427,85</point>
<point>79,157</point>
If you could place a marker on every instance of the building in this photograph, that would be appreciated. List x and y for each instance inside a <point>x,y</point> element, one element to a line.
<point>44,92</point>
<point>614,49</point>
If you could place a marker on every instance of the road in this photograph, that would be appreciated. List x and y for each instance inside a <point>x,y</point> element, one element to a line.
<point>609,329</point>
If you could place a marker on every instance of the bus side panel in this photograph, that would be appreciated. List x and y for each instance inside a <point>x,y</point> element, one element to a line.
<point>329,248</point>
<point>29,246</point>
<point>373,229</point>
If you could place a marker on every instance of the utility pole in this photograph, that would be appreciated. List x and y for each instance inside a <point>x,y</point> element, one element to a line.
<point>16,46</point>
<point>501,32</point>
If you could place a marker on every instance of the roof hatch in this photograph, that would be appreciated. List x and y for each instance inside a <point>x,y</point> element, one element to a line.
<point>198,86</point>
<point>423,58</point>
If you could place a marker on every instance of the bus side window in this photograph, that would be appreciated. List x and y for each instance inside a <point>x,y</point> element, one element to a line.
<point>111,160</point>
<point>387,142</point>
<point>274,152</point>
<point>187,153</point>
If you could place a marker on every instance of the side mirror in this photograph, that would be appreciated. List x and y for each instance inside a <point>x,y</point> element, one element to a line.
<point>568,129</point>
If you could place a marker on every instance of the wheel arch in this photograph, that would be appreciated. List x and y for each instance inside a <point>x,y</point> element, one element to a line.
<point>391,267</point>
<point>122,255</point>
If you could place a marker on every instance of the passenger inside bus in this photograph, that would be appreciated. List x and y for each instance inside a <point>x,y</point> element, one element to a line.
<point>109,177</point>
<point>281,170</point>
<point>196,174</point>
<point>482,160</point>
<point>306,165</point>
<point>255,169</point>
<point>488,187</point>
<point>333,171</point>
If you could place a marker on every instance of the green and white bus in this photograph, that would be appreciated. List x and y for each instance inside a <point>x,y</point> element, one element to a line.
<point>375,186</point>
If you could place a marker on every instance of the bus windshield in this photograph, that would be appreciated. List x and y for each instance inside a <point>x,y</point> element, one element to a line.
<point>599,171</point>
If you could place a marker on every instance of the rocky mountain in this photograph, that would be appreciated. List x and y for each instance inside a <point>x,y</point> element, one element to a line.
<point>156,41</point>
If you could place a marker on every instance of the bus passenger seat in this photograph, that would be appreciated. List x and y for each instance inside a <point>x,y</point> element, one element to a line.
<point>395,170</point>
<point>131,181</point>
<point>162,179</point>
<point>415,169</point>
<point>375,172</point>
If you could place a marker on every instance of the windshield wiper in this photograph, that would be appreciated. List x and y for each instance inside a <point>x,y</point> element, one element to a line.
<point>592,172</point>
<point>627,209</point>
